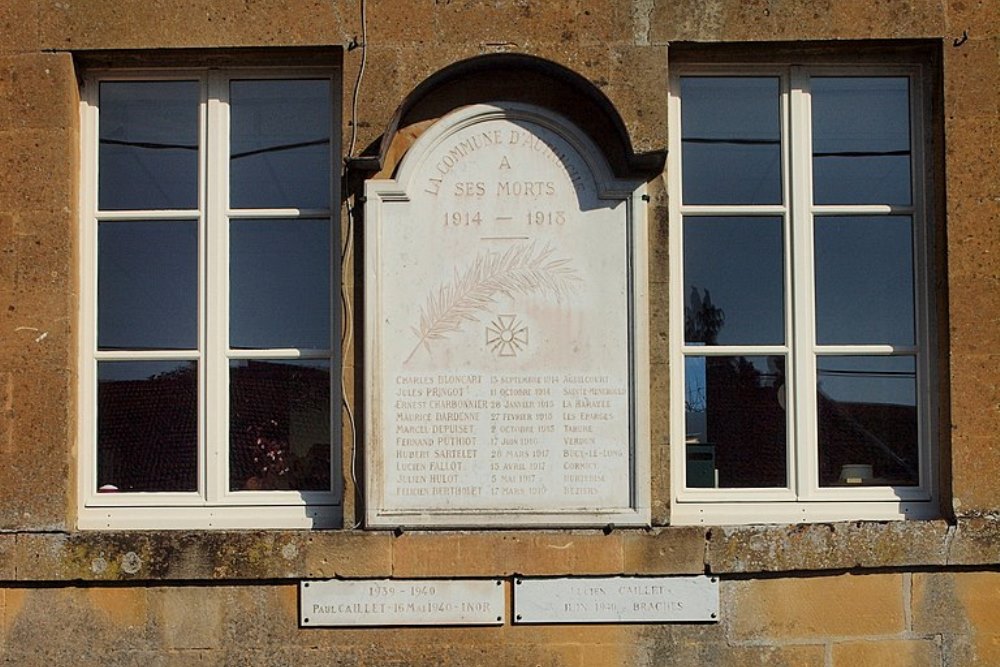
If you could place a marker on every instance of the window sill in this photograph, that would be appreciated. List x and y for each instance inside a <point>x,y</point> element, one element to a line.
<point>274,555</point>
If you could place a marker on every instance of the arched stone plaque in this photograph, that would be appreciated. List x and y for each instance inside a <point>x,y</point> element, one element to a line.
<point>506,348</point>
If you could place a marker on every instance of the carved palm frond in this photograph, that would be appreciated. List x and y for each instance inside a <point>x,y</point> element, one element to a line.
<point>519,270</point>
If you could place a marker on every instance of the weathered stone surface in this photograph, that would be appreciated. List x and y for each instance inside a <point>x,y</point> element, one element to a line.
<point>758,20</point>
<point>842,605</point>
<point>665,551</point>
<point>826,546</point>
<point>19,26</point>
<point>37,91</point>
<point>8,550</point>
<point>505,553</point>
<point>961,607</point>
<point>190,617</point>
<point>133,24</point>
<point>893,653</point>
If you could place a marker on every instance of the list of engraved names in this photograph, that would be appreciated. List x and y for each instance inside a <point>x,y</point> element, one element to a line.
<point>508,437</point>
<point>503,329</point>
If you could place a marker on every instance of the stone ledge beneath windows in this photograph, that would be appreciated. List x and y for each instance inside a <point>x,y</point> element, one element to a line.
<point>276,555</point>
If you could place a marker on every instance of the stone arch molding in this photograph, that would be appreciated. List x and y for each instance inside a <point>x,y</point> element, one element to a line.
<point>522,79</point>
<point>506,336</point>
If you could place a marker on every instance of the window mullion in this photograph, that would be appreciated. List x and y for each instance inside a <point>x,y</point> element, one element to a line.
<point>802,399</point>
<point>216,403</point>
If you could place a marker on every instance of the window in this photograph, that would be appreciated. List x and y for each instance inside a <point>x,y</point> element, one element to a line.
<point>209,214</point>
<point>800,305</point>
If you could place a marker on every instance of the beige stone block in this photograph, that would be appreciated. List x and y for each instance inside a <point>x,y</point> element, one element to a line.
<point>770,656</point>
<point>759,20</point>
<point>451,554</point>
<point>390,23</point>
<point>38,91</point>
<point>643,111</point>
<point>355,554</point>
<point>976,541</point>
<point>125,608</point>
<point>960,606</point>
<point>887,653</point>
<point>981,17</point>
<point>815,547</point>
<point>843,605</point>
<point>970,88</point>
<point>189,617</point>
<point>37,170</point>
<point>665,551</point>
<point>659,331</point>
<point>19,26</point>
<point>522,23</point>
<point>974,318</point>
<point>503,554</point>
<point>8,552</point>
<point>975,394</point>
<point>975,486</point>
<point>94,24</point>
<point>36,477</point>
<point>564,553</point>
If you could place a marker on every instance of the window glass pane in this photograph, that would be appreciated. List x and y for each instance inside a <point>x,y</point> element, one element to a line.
<point>861,140</point>
<point>147,426</point>
<point>148,145</point>
<point>868,421</point>
<point>280,153</point>
<point>279,283</point>
<point>279,425</point>
<point>731,140</point>
<point>864,280</point>
<point>736,430</point>
<point>147,285</point>
<point>733,281</point>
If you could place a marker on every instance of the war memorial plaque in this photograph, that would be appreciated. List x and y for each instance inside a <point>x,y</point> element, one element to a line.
<point>617,600</point>
<point>403,602</point>
<point>506,351</point>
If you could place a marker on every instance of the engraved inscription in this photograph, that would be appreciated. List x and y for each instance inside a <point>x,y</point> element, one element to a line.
<point>503,309</point>
<point>401,602</point>
<point>616,599</point>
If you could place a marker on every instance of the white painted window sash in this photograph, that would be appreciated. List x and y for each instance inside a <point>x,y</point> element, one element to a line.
<point>804,499</point>
<point>212,505</point>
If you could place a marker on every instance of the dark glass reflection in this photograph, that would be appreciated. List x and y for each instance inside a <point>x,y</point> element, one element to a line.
<point>148,156</point>
<point>731,140</point>
<point>864,280</point>
<point>280,154</point>
<point>147,426</point>
<point>279,274</point>
<point>868,421</point>
<point>861,140</point>
<point>147,285</point>
<point>733,281</point>
<point>735,423</point>
<point>279,425</point>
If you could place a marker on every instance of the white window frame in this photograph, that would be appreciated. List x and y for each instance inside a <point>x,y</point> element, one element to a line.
<point>213,505</point>
<point>803,500</point>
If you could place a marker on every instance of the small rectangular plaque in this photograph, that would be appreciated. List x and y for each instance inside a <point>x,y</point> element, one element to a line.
<point>377,602</point>
<point>617,600</point>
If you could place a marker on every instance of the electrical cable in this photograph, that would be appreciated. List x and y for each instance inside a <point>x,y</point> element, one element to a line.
<point>345,298</point>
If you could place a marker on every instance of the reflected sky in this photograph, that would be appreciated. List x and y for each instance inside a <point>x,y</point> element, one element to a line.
<point>147,284</point>
<point>148,145</point>
<point>864,280</point>
<point>279,283</point>
<point>280,150</point>
<point>861,140</point>
<point>731,140</point>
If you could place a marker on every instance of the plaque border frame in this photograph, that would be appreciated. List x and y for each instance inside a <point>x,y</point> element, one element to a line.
<point>382,192</point>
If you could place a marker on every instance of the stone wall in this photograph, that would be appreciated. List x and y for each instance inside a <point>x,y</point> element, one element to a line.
<point>914,593</point>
